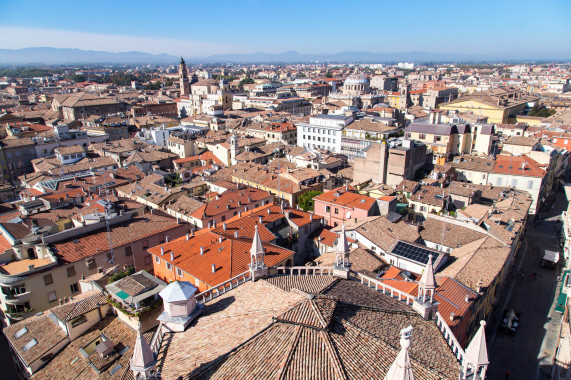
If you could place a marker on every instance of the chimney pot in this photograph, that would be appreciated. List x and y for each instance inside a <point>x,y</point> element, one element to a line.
<point>236,234</point>
<point>224,226</point>
<point>213,268</point>
<point>187,237</point>
<point>162,251</point>
<point>202,250</point>
<point>172,257</point>
<point>167,238</point>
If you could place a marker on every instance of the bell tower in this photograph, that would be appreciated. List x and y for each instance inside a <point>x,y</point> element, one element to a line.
<point>183,78</point>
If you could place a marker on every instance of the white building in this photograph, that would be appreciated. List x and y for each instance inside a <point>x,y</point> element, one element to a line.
<point>323,131</point>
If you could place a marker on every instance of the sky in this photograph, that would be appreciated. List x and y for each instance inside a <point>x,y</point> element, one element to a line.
<point>503,28</point>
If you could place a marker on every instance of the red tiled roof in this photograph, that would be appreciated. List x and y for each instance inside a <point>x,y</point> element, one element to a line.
<point>344,198</point>
<point>230,256</point>
<point>518,165</point>
<point>68,251</point>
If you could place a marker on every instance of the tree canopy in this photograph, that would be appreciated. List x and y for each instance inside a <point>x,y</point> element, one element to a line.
<point>541,111</point>
<point>305,200</point>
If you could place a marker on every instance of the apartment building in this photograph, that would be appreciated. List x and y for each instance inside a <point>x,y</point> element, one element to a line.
<point>323,132</point>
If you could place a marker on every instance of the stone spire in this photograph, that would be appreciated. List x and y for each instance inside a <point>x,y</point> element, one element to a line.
<point>233,149</point>
<point>257,252</point>
<point>342,255</point>
<point>402,368</point>
<point>427,283</point>
<point>476,356</point>
<point>143,362</point>
<point>258,268</point>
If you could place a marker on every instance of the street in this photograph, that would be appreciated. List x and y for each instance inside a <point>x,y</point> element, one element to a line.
<point>532,291</point>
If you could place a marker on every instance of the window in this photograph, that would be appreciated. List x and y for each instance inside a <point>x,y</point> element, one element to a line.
<point>52,296</point>
<point>148,260</point>
<point>157,260</point>
<point>70,271</point>
<point>48,279</point>
<point>128,251</point>
<point>421,136</point>
<point>30,344</point>
<point>161,238</point>
<point>169,266</point>
<point>514,182</point>
<point>327,209</point>
<point>145,244</point>
<point>529,184</point>
<point>91,264</point>
<point>74,288</point>
<point>336,211</point>
<point>179,272</point>
<point>499,181</point>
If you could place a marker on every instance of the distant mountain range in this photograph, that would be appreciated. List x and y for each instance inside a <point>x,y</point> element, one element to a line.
<point>57,56</point>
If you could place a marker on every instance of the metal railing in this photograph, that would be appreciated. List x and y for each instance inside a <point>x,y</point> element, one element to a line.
<point>386,289</point>
<point>222,288</point>
<point>308,271</point>
<point>449,337</point>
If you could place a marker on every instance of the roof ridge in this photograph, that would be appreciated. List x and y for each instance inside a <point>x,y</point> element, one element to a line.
<point>317,311</point>
<point>283,368</point>
<point>332,351</point>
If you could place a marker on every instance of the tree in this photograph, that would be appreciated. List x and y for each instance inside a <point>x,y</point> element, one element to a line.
<point>168,82</point>
<point>328,74</point>
<point>541,111</point>
<point>245,81</point>
<point>78,78</point>
<point>305,200</point>
<point>153,86</point>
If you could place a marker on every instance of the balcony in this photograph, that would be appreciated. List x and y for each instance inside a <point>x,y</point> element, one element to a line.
<point>15,299</point>
<point>18,315</point>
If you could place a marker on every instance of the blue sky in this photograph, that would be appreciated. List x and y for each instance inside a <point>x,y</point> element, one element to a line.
<point>506,28</point>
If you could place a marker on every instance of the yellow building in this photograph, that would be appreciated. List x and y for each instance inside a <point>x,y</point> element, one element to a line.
<point>498,104</point>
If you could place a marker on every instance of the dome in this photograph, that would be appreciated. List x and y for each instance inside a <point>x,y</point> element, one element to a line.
<point>357,78</point>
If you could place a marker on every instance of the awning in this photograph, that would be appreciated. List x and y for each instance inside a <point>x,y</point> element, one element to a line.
<point>551,256</point>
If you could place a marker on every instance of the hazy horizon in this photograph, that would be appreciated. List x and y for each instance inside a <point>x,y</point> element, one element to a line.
<point>506,29</point>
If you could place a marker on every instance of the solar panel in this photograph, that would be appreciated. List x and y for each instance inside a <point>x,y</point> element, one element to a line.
<point>413,252</point>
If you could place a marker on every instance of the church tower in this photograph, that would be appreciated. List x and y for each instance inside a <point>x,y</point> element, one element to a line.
<point>224,95</point>
<point>183,78</point>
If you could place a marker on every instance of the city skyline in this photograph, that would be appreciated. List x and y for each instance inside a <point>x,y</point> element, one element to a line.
<point>484,28</point>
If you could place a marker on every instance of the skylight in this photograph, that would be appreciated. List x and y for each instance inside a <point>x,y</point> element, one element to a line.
<point>30,344</point>
<point>20,332</point>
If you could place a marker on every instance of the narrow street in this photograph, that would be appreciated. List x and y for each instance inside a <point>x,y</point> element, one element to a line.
<point>532,292</point>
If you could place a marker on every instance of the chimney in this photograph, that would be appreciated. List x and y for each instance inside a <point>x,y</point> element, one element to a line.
<point>172,257</point>
<point>452,315</point>
<point>30,267</point>
<point>287,214</point>
<point>187,237</point>
<point>167,238</point>
<point>269,212</point>
<point>192,232</point>
<point>162,251</point>
<point>202,250</point>
<point>239,214</point>
<point>236,234</point>
<point>311,217</point>
<point>220,239</point>
<point>214,223</point>
<point>260,219</point>
<point>213,268</point>
<point>224,226</point>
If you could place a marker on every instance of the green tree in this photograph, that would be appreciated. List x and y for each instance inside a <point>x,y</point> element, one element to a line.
<point>78,78</point>
<point>541,111</point>
<point>245,81</point>
<point>153,86</point>
<point>168,82</point>
<point>305,200</point>
<point>328,74</point>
